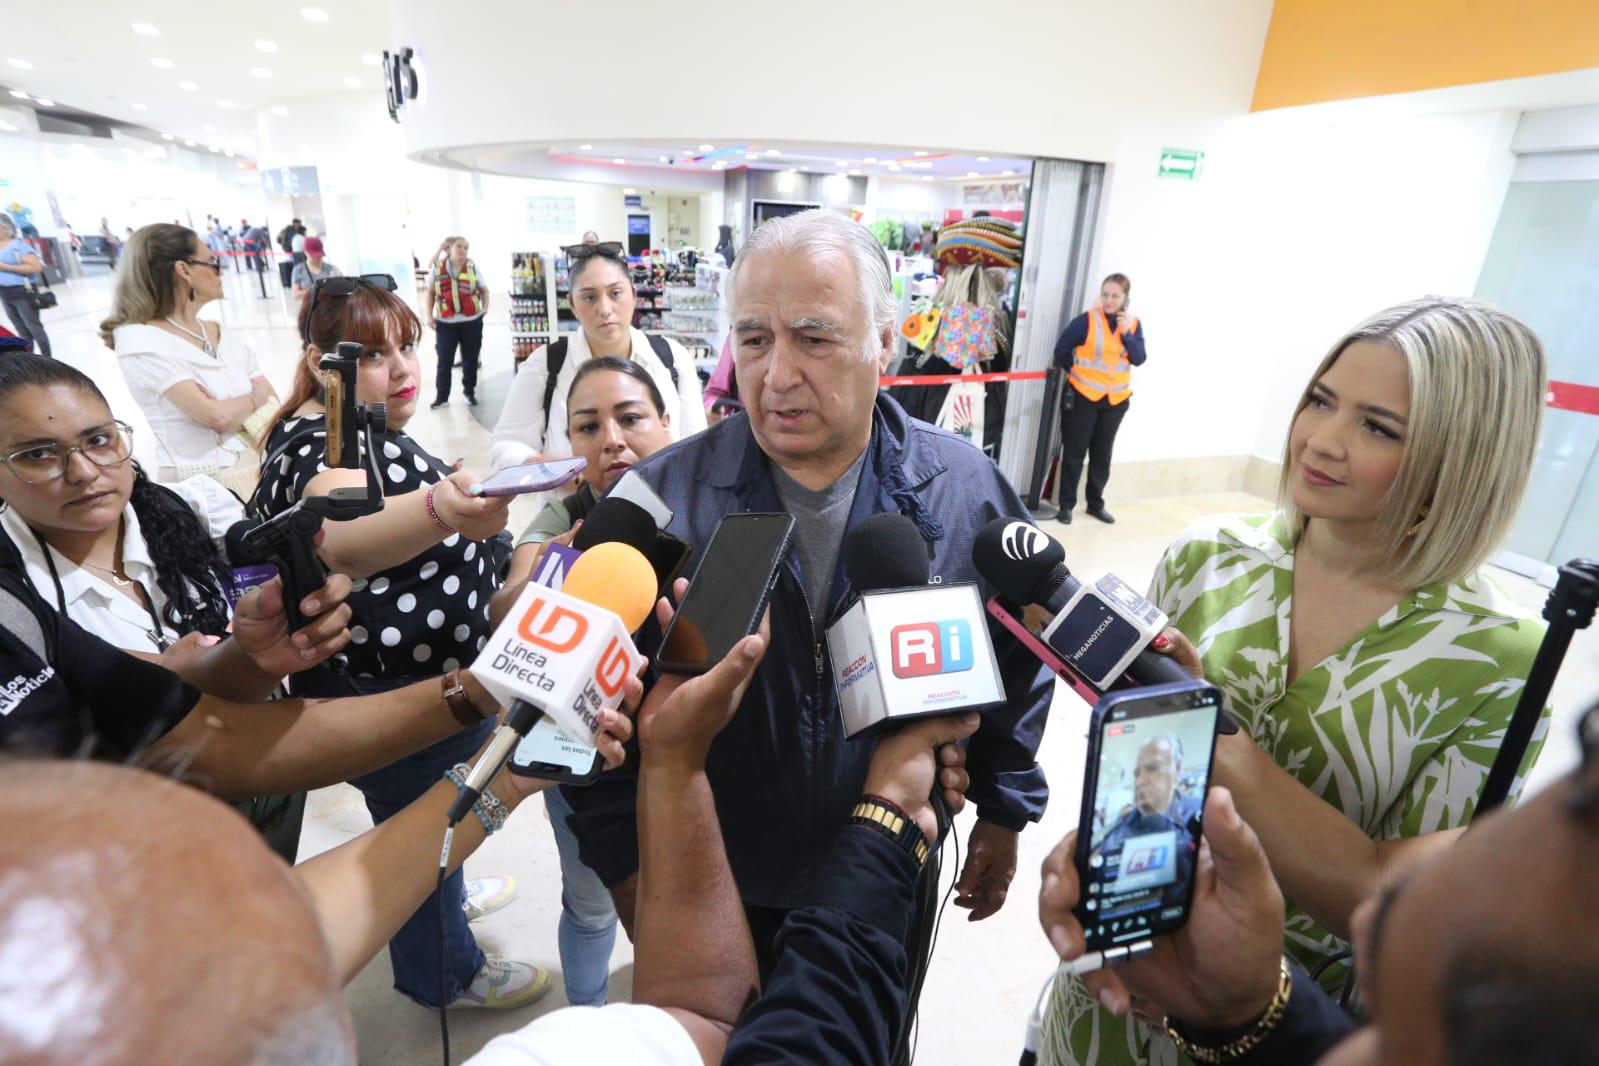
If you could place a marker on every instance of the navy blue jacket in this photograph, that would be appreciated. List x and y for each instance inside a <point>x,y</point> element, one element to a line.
<point>784,775</point>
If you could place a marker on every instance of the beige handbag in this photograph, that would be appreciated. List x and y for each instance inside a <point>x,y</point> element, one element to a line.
<point>241,476</point>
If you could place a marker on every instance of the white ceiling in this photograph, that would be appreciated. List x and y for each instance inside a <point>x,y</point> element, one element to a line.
<point>85,54</point>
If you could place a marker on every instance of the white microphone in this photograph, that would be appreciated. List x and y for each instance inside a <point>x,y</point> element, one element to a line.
<point>565,653</point>
<point>908,651</point>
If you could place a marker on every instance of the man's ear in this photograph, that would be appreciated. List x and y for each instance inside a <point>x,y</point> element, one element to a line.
<point>885,348</point>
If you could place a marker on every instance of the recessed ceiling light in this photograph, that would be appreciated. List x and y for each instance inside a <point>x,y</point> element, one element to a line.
<point>20,64</point>
<point>1008,173</point>
<point>751,156</point>
<point>260,72</point>
<point>666,159</point>
<point>982,159</point>
<point>208,130</point>
<point>629,192</point>
<point>313,14</point>
<point>140,107</point>
<point>162,62</point>
<point>188,86</point>
<point>894,167</point>
<point>144,29</point>
<point>8,127</point>
<point>228,153</point>
<point>619,161</point>
<point>215,149</point>
<point>352,83</point>
<point>585,148</point>
<point>854,173</point>
<point>920,152</point>
<point>703,147</point>
<point>927,177</point>
<point>42,102</point>
<point>280,111</point>
<point>188,144</point>
<point>841,163</point>
<point>226,105</point>
<point>771,151</point>
<point>720,164</point>
<point>266,46</point>
<point>791,170</point>
<point>371,59</point>
<point>19,94</point>
<point>869,160</point>
<point>166,136</point>
<point>973,174</point>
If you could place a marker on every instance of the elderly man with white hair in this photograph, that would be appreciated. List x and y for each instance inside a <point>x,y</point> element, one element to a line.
<point>813,320</point>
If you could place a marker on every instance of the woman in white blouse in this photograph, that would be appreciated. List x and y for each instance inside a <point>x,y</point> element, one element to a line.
<point>139,564</point>
<point>533,424</point>
<point>205,402</point>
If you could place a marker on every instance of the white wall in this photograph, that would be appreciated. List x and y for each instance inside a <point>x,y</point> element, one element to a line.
<point>1303,223</point>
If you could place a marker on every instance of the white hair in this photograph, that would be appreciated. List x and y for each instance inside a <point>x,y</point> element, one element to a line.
<point>816,231</point>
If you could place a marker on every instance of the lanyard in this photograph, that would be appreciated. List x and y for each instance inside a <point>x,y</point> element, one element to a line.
<point>157,633</point>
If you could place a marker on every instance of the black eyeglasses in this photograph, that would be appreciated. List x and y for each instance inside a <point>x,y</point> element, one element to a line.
<point>344,285</point>
<point>214,264</point>
<point>608,249</point>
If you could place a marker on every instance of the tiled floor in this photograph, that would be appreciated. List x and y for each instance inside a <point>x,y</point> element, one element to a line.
<point>985,976</point>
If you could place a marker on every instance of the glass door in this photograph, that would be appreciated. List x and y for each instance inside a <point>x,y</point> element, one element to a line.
<point>1543,266</point>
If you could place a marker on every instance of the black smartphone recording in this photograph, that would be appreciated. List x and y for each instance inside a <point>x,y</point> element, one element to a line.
<point>728,593</point>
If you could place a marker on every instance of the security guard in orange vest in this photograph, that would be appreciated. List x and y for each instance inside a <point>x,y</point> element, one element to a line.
<point>458,299</point>
<point>1098,351</point>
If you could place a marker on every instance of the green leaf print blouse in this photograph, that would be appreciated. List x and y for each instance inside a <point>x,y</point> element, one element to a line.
<point>1397,729</point>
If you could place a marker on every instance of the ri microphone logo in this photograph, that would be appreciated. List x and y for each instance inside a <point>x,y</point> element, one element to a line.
<point>927,648</point>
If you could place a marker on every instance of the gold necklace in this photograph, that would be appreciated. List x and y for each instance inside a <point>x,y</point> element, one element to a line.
<point>118,580</point>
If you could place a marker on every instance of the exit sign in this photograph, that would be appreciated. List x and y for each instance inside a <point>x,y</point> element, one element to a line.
<point>1183,163</point>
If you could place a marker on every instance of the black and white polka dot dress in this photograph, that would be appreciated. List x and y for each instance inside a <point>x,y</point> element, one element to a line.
<point>421,618</point>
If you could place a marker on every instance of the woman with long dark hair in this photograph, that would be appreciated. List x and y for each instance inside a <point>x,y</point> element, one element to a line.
<point>425,568</point>
<point>137,563</point>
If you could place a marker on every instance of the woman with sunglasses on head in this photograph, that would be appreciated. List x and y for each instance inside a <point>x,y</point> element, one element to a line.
<point>138,564</point>
<point>206,401</point>
<point>459,300</point>
<point>534,423</point>
<point>425,568</point>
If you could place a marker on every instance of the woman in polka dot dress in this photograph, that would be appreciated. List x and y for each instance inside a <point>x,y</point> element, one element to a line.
<point>424,568</point>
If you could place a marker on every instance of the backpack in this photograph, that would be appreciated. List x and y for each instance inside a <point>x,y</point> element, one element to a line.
<point>286,239</point>
<point>555,358</point>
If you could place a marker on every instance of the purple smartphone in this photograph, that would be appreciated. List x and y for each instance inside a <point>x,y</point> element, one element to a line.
<point>530,477</point>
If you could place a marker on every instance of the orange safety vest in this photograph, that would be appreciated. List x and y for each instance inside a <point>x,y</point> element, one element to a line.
<point>1099,365</point>
<point>457,292</point>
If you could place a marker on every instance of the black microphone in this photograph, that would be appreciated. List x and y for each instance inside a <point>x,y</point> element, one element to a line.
<point>616,520</point>
<point>238,550</point>
<point>905,648</point>
<point>1027,566</point>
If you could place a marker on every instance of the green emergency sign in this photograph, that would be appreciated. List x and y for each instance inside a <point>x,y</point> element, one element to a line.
<point>1183,163</point>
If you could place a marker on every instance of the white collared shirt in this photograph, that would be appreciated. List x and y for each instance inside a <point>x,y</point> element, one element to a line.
<point>91,600</point>
<point>154,360</point>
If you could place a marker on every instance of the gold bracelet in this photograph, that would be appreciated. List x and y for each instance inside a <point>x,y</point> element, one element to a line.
<point>1250,1040</point>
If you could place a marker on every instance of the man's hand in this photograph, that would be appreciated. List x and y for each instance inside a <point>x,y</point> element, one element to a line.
<point>682,715</point>
<point>1219,970</point>
<point>261,627</point>
<point>904,763</point>
<point>990,865</point>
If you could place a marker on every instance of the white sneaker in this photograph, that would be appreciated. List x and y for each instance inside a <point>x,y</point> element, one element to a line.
<point>502,984</point>
<point>485,895</point>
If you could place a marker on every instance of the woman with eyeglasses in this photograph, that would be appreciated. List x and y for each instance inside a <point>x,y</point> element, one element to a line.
<point>136,563</point>
<point>425,568</point>
<point>534,422</point>
<point>459,300</point>
<point>18,264</point>
<point>206,401</point>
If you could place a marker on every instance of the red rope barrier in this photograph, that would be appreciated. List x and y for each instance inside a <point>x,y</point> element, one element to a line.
<point>964,379</point>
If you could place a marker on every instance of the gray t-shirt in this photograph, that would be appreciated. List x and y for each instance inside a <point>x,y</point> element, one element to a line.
<point>819,521</point>
<point>304,277</point>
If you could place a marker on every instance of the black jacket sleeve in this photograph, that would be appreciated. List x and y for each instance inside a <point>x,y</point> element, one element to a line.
<point>1076,336</point>
<point>838,992</point>
<point>1313,1023</point>
<point>1134,343</point>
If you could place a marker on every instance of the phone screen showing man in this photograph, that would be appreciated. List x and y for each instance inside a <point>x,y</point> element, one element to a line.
<point>1143,826</point>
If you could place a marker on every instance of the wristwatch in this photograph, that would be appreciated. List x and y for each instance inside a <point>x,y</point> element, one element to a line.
<point>888,818</point>
<point>458,701</point>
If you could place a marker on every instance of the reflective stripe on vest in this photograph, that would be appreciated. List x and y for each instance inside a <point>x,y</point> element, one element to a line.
<point>457,294</point>
<point>1100,366</point>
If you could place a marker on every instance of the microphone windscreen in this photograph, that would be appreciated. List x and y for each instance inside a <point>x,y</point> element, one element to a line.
<point>239,553</point>
<point>615,520</point>
<point>617,577</point>
<point>885,552</point>
<point>1019,560</point>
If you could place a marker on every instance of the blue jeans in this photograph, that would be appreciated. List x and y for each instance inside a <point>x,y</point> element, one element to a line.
<point>414,950</point>
<point>588,918</point>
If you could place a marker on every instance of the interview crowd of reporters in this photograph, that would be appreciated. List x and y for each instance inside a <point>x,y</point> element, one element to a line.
<point>773,920</point>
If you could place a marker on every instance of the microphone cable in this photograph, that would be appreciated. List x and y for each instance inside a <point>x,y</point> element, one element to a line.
<point>444,961</point>
<point>928,922</point>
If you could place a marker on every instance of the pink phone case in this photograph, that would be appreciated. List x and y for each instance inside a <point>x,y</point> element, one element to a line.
<point>571,472</point>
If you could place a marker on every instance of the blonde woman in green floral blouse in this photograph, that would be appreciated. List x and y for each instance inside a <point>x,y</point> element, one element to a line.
<point>1373,667</point>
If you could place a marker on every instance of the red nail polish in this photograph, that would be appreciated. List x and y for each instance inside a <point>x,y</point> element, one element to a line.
<point>1162,642</point>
